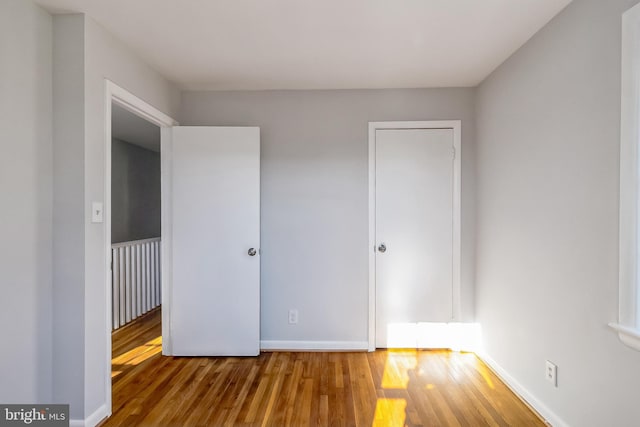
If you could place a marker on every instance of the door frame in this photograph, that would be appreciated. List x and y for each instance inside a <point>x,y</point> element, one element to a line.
<point>127,100</point>
<point>456,126</point>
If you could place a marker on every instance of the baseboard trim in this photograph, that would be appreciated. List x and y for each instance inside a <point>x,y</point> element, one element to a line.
<point>543,411</point>
<point>314,345</point>
<point>92,420</point>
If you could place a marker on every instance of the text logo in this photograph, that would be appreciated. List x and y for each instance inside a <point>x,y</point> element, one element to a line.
<point>34,415</point>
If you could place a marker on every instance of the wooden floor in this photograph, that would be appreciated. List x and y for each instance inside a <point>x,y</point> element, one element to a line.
<point>390,388</point>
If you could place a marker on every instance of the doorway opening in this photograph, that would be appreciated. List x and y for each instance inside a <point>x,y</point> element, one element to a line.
<point>136,257</point>
<point>133,229</point>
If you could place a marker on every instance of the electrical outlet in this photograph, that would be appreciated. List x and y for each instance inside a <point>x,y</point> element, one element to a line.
<point>293,316</point>
<point>552,373</point>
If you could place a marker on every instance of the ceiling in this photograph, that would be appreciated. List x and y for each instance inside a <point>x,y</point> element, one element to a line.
<point>319,44</point>
<point>130,128</point>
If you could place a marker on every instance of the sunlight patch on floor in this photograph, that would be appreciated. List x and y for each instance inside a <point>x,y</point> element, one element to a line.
<point>396,368</point>
<point>390,412</point>
<point>139,354</point>
<point>486,375</point>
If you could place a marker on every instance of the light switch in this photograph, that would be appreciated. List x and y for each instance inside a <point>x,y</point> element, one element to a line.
<point>96,212</point>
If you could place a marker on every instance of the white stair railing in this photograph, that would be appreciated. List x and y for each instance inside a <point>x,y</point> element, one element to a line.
<point>135,279</point>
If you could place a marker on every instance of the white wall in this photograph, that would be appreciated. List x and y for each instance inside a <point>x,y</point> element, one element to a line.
<point>68,230</point>
<point>26,190</point>
<point>101,56</point>
<point>107,57</point>
<point>547,223</point>
<point>314,193</point>
<point>548,139</point>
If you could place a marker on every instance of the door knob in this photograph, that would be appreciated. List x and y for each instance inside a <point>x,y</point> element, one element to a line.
<point>252,252</point>
<point>382,248</point>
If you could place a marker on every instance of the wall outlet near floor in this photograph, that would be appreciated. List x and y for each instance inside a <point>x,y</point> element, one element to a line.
<point>293,316</point>
<point>552,373</point>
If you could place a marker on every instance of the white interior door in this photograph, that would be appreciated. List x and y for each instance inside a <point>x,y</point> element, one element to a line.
<point>215,210</point>
<point>414,178</point>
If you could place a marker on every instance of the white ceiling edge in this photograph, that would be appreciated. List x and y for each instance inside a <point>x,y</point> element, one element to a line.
<point>213,87</point>
<point>307,45</point>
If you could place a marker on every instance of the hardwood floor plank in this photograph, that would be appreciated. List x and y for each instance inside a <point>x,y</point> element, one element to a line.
<point>258,398</point>
<point>212,387</point>
<point>275,392</point>
<point>385,387</point>
<point>323,416</point>
<point>294,385</point>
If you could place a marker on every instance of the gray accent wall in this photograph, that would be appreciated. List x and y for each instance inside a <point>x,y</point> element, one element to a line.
<point>314,196</point>
<point>135,192</point>
<point>547,241</point>
<point>26,214</point>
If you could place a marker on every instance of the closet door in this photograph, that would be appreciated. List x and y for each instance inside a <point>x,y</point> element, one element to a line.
<point>414,232</point>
